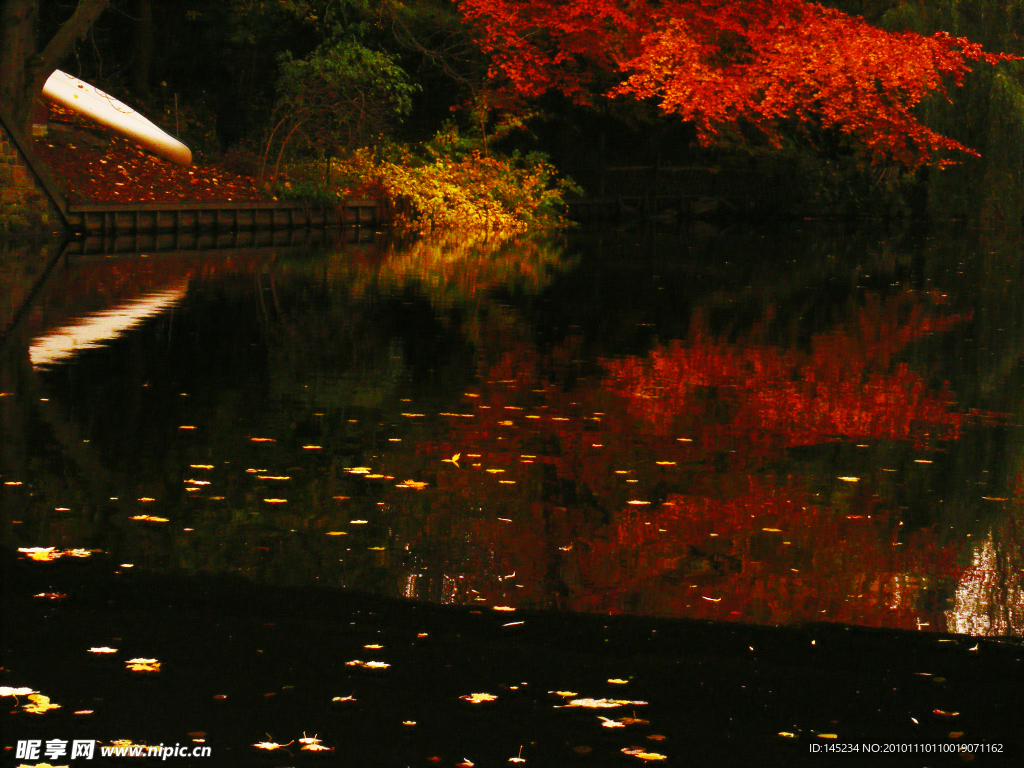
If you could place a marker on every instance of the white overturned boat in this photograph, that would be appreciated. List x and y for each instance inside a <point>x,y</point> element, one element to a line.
<point>88,100</point>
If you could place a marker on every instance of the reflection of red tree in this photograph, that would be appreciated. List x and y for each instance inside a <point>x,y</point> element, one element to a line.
<point>845,387</point>
<point>714,559</point>
<point>694,543</point>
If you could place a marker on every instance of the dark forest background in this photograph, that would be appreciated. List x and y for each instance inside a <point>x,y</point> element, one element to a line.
<point>222,73</point>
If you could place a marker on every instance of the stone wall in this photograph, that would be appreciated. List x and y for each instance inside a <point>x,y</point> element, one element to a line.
<point>24,202</point>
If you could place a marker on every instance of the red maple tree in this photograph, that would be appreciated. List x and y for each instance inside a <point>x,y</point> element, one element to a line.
<point>720,63</point>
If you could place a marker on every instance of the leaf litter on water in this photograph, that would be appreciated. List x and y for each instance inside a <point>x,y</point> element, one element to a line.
<point>601,703</point>
<point>478,698</point>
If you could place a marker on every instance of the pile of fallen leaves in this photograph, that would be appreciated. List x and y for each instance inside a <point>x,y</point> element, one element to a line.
<point>91,164</point>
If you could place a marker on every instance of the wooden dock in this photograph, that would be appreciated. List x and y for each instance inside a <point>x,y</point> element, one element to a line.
<point>196,218</point>
<point>210,240</point>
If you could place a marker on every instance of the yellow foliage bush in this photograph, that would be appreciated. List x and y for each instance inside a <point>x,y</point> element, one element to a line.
<point>449,191</point>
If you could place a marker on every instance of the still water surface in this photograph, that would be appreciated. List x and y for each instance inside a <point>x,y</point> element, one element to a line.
<point>772,426</point>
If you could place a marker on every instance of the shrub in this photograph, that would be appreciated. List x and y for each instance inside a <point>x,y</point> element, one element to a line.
<point>453,186</point>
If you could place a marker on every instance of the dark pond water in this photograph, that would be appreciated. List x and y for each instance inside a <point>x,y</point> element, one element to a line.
<point>778,426</point>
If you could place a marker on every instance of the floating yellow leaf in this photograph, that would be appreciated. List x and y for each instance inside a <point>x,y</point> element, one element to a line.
<point>478,698</point>
<point>638,503</point>
<point>373,647</point>
<point>828,736</point>
<point>357,522</point>
<point>367,664</point>
<point>772,530</point>
<point>201,466</point>
<point>453,460</point>
<point>142,665</point>
<point>47,554</point>
<point>40,704</point>
<point>413,415</point>
<point>502,608</point>
<point>268,477</point>
<point>787,734</point>
<point>263,440</point>
<point>317,748</point>
<point>271,745</point>
<point>42,554</point>
<point>311,447</point>
<point>376,549</point>
<point>336,533</point>
<point>633,721</point>
<point>344,698</point>
<point>850,479</point>
<point>408,722</point>
<point>5,691</point>
<point>149,518</point>
<point>617,681</point>
<point>276,501</point>
<point>603,703</point>
<point>103,649</point>
<point>495,471</point>
<point>639,752</point>
<point>564,694</point>
<point>415,485</point>
<point>665,463</point>
<point>607,723</point>
<point>186,427</point>
<point>146,499</point>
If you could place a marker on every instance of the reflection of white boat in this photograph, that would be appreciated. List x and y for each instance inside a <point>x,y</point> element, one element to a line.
<point>90,101</point>
<point>93,330</point>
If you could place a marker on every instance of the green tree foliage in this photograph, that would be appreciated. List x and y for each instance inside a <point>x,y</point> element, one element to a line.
<point>340,95</point>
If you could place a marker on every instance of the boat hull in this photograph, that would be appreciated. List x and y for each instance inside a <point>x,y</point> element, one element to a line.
<point>99,106</point>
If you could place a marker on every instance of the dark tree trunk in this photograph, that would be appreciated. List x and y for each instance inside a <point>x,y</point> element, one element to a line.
<point>17,46</point>
<point>143,59</point>
<point>23,67</point>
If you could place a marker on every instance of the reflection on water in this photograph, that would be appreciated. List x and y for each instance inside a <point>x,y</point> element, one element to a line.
<point>989,597</point>
<point>739,427</point>
<point>96,329</point>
